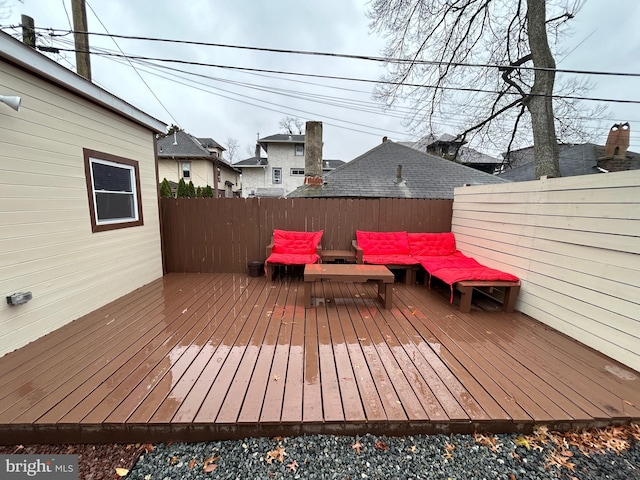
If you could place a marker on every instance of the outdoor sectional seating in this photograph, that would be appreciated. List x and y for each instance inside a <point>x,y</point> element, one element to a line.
<point>438,255</point>
<point>293,248</point>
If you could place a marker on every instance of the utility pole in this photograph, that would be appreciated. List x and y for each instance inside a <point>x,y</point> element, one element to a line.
<point>28,31</point>
<point>83,60</point>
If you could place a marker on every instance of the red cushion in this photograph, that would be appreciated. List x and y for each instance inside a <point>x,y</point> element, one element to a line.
<point>289,242</point>
<point>430,244</point>
<point>457,260</point>
<point>293,258</point>
<point>453,275</point>
<point>383,243</point>
<point>396,259</point>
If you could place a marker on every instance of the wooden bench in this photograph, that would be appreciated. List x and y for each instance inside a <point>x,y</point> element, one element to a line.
<point>357,273</point>
<point>465,287</point>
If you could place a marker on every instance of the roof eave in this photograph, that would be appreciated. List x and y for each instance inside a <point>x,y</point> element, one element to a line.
<point>25,57</point>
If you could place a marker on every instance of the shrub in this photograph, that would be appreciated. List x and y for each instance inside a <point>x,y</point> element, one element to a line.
<point>165,189</point>
<point>182,189</point>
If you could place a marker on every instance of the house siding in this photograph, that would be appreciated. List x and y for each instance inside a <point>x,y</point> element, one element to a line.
<point>46,243</point>
<point>280,155</point>
<point>201,173</point>
<point>574,242</point>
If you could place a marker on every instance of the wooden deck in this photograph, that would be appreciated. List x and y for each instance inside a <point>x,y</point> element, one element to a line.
<point>196,357</point>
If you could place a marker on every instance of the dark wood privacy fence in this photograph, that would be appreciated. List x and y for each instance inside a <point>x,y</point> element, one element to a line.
<point>220,235</point>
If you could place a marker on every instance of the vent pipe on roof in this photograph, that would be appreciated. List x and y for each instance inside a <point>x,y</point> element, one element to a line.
<point>175,138</point>
<point>398,174</point>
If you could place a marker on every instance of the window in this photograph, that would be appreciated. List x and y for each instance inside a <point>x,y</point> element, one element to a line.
<point>113,188</point>
<point>299,149</point>
<point>296,172</point>
<point>186,169</point>
<point>276,175</point>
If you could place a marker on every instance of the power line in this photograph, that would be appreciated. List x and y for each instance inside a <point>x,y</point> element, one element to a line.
<point>351,56</point>
<point>333,77</point>
<point>134,68</point>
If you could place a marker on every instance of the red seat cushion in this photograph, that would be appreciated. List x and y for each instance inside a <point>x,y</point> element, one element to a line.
<point>457,260</point>
<point>293,258</point>
<point>431,244</point>
<point>290,242</point>
<point>383,243</point>
<point>395,259</point>
<point>452,275</point>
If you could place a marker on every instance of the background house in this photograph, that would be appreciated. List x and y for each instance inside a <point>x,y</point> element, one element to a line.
<point>578,159</point>
<point>79,224</point>
<point>181,155</point>
<point>447,146</point>
<point>281,171</point>
<point>396,171</point>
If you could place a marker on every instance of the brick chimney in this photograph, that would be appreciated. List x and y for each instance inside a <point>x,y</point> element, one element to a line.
<point>313,153</point>
<point>618,141</point>
<point>615,150</point>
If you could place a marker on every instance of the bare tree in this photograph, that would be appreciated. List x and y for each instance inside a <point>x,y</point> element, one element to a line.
<point>488,62</point>
<point>292,125</point>
<point>232,149</point>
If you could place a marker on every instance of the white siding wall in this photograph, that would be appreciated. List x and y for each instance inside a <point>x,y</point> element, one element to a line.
<point>574,242</point>
<point>46,243</point>
<point>201,171</point>
<point>281,155</point>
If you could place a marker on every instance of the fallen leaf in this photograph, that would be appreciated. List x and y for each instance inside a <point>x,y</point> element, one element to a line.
<point>567,453</point>
<point>357,446</point>
<point>292,466</point>
<point>173,461</point>
<point>512,476</point>
<point>276,454</point>
<point>523,442</point>
<point>122,472</point>
<point>148,447</point>
<point>276,377</point>
<point>71,450</point>
<point>380,445</point>
<point>192,463</point>
<point>413,449</point>
<point>210,468</point>
<point>185,310</point>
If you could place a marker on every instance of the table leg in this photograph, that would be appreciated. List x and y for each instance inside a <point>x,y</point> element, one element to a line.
<point>307,294</point>
<point>510,295</point>
<point>465,298</point>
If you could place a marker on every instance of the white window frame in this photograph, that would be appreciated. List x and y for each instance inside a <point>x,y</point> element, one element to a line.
<point>276,175</point>
<point>188,169</point>
<point>98,224</point>
<point>299,153</point>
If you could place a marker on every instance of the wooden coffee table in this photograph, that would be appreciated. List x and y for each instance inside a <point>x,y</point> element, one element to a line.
<point>354,273</point>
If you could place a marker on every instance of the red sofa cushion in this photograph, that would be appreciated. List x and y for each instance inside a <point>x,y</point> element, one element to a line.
<point>383,243</point>
<point>293,258</point>
<point>452,275</point>
<point>457,260</point>
<point>431,244</point>
<point>394,259</point>
<point>290,242</point>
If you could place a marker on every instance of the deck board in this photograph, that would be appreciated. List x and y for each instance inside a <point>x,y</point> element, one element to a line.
<point>209,356</point>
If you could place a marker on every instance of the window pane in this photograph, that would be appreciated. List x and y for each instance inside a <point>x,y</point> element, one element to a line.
<point>114,179</point>
<point>111,206</point>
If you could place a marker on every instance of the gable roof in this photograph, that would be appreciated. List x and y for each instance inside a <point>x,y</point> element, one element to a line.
<point>373,175</point>
<point>208,142</point>
<point>573,159</point>
<point>28,59</point>
<point>182,145</point>
<point>282,138</point>
<point>252,162</point>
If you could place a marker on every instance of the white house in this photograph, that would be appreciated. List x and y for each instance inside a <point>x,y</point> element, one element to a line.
<point>79,223</point>
<point>282,171</point>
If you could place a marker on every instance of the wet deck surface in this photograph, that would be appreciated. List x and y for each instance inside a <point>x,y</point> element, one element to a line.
<point>195,357</point>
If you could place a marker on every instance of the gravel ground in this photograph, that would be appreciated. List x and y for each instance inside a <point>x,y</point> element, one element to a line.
<point>457,457</point>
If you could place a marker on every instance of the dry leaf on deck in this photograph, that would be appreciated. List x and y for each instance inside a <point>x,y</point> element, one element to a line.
<point>122,472</point>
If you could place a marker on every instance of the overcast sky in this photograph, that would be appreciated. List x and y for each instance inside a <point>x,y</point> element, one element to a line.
<point>605,37</point>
